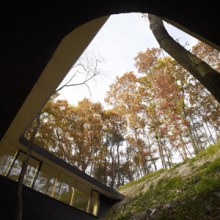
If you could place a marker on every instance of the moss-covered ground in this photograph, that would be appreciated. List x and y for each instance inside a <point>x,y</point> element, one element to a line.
<point>169,194</point>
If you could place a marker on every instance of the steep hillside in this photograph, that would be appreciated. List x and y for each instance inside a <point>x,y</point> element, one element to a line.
<point>190,190</point>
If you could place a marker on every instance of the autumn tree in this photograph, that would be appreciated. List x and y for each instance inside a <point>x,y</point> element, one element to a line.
<point>160,112</point>
<point>204,73</point>
<point>126,96</point>
<point>154,115</point>
<point>86,132</point>
<point>114,133</point>
<point>170,94</point>
<point>209,108</point>
<point>88,72</point>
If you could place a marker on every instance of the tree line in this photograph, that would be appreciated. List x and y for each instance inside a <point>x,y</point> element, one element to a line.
<point>155,118</point>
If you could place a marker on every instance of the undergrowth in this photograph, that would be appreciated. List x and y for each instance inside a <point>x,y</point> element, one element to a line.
<point>191,194</point>
<point>142,179</point>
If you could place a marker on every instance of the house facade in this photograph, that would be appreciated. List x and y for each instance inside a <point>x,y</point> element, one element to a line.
<point>53,189</point>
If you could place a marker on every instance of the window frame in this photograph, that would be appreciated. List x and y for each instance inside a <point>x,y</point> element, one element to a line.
<point>19,152</point>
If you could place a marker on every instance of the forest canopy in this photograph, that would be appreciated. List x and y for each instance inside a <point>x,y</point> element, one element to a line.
<point>156,117</point>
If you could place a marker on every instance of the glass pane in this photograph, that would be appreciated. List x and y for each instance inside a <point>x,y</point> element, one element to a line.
<point>95,203</point>
<point>30,172</point>
<point>56,188</point>
<point>66,189</point>
<point>7,155</point>
<point>81,200</point>
<point>46,180</point>
<point>15,171</point>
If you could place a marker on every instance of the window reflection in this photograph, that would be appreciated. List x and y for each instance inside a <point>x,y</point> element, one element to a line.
<point>48,180</point>
<point>66,189</point>
<point>81,200</point>
<point>7,156</point>
<point>30,172</point>
<point>94,203</point>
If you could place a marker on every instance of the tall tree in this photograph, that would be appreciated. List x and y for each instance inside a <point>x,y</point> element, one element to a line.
<point>86,132</point>
<point>205,74</point>
<point>129,99</point>
<point>114,129</point>
<point>170,112</point>
<point>89,71</point>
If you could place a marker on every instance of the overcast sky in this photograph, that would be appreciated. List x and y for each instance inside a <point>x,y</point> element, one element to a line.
<point>117,43</point>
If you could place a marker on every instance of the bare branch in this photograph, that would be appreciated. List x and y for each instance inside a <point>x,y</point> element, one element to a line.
<point>18,214</point>
<point>86,70</point>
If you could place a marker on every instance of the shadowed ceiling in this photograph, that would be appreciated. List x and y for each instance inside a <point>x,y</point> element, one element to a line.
<point>32,31</point>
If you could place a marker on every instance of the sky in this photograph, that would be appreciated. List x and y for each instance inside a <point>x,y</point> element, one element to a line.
<point>116,45</point>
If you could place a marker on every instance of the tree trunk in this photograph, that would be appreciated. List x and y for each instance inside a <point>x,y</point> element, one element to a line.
<point>212,138</point>
<point>19,202</point>
<point>161,152</point>
<point>168,156</point>
<point>206,75</point>
<point>118,167</point>
<point>112,170</point>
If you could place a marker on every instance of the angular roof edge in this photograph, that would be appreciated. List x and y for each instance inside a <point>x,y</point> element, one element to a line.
<point>73,169</point>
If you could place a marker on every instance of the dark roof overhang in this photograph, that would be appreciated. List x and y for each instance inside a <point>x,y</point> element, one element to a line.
<point>31,32</point>
<point>80,175</point>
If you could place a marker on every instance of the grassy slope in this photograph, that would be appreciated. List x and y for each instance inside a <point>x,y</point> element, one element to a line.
<point>190,190</point>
